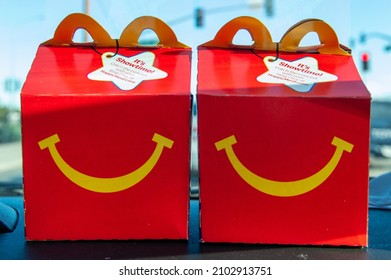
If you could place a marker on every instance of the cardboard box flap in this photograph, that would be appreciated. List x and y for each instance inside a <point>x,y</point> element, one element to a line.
<point>258,31</point>
<point>279,69</point>
<point>167,37</point>
<point>328,38</point>
<point>63,36</point>
<point>110,66</point>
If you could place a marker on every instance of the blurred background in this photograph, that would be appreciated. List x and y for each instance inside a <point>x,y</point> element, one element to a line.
<point>361,25</point>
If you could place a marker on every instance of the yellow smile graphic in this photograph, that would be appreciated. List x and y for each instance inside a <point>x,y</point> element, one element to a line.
<point>278,188</point>
<point>106,185</point>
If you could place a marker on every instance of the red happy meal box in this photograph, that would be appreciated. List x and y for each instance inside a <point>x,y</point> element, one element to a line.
<point>106,135</point>
<point>283,139</point>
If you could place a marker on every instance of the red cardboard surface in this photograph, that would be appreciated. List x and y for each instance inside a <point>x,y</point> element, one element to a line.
<point>262,144</point>
<point>105,132</point>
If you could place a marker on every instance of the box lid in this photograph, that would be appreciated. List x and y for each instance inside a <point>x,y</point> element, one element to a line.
<point>66,70</point>
<point>278,69</point>
<point>108,66</point>
<point>248,72</point>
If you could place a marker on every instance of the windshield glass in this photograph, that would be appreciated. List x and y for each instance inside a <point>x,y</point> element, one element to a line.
<point>25,24</point>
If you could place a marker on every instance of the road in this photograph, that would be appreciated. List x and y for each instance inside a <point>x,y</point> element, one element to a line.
<point>379,166</point>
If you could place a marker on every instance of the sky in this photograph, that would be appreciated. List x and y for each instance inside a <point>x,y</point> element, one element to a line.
<point>24,24</point>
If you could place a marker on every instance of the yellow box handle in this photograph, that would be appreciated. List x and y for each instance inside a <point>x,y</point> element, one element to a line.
<point>132,32</point>
<point>258,31</point>
<point>63,36</point>
<point>328,38</point>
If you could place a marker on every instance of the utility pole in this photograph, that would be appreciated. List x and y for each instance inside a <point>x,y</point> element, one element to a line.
<point>86,10</point>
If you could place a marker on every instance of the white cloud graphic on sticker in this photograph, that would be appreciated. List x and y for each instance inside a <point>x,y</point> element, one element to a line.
<point>300,75</point>
<point>127,72</point>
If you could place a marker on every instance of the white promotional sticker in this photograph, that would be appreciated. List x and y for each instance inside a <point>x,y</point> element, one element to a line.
<point>127,72</point>
<point>300,75</point>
